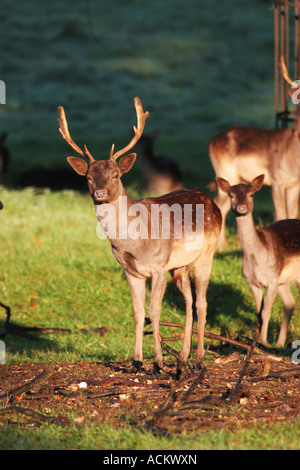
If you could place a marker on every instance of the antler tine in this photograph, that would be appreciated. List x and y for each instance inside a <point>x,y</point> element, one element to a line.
<point>285,73</point>
<point>64,130</point>
<point>141,120</point>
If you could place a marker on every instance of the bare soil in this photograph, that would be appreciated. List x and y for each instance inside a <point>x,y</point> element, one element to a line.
<point>115,394</point>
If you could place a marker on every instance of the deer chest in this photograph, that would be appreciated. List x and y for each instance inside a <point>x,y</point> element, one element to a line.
<point>259,270</point>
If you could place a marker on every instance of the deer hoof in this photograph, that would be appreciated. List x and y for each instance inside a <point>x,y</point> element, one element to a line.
<point>137,365</point>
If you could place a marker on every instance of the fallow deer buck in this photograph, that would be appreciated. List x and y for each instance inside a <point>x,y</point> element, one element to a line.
<point>271,255</point>
<point>152,257</point>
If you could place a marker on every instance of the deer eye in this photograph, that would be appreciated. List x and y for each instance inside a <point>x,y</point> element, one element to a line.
<point>115,176</point>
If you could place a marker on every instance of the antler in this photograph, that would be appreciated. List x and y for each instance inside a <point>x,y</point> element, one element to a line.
<point>285,74</point>
<point>141,120</point>
<point>64,130</point>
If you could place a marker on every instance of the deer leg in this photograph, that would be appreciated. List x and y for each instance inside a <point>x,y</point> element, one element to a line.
<point>258,296</point>
<point>266,312</point>
<point>202,274</point>
<point>138,293</point>
<point>182,281</point>
<point>279,200</point>
<point>158,286</point>
<point>223,202</point>
<point>289,305</point>
<point>292,202</point>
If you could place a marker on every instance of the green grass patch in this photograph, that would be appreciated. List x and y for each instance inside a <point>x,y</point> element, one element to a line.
<point>280,436</point>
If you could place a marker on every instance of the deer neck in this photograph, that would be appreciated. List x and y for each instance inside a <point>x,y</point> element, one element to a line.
<point>247,233</point>
<point>115,221</point>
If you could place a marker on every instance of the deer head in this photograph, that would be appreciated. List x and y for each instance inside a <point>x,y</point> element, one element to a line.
<point>104,176</point>
<point>241,195</point>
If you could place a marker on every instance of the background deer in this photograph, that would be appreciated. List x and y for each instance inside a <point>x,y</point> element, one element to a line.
<point>144,258</point>
<point>271,255</point>
<point>161,172</point>
<point>240,153</point>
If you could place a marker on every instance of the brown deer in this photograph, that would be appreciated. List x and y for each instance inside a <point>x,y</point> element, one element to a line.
<point>271,255</point>
<point>161,172</point>
<point>153,257</point>
<point>240,153</point>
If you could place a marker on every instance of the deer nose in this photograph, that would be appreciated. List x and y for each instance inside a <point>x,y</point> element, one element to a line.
<point>242,208</point>
<point>100,193</point>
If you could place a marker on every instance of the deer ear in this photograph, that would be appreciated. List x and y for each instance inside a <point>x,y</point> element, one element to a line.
<point>79,165</point>
<point>258,182</point>
<point>125,163</point>
<point>223,184</point>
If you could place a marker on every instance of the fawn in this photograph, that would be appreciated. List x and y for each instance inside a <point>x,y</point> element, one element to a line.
<point>142,257</point>
<point>270,258</point>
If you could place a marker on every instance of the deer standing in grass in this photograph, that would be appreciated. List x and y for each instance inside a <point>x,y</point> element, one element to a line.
<point>152,257</point>
<point>271,255</point>
<point>239,154</point>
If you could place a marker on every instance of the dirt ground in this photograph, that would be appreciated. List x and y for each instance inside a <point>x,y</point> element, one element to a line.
<point>94,393</point>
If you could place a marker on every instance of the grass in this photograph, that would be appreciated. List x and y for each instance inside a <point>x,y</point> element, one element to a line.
<point>197,68</point>
<point>281,436</point>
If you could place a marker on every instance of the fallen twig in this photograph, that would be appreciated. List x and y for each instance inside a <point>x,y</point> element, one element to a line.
<point>24,388</point>
<point>209,401</point>
<point>223,339</point>
<point>283,375</point>
<point>168,405</point>
<point>122,380</point>
<point>239,390</point>
<point>101,330</point>
<point>121,391</point>
<point>33,414</point>
<point>10,328</point>
<point>175,354</point>
<point>196,382</point>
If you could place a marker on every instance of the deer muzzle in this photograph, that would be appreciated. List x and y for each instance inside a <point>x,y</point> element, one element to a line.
<point>100,194</point>
<point>242,209</point>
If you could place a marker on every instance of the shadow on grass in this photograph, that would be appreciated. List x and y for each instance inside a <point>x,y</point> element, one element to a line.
<point>17,344</point>
<point>222,299</point>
